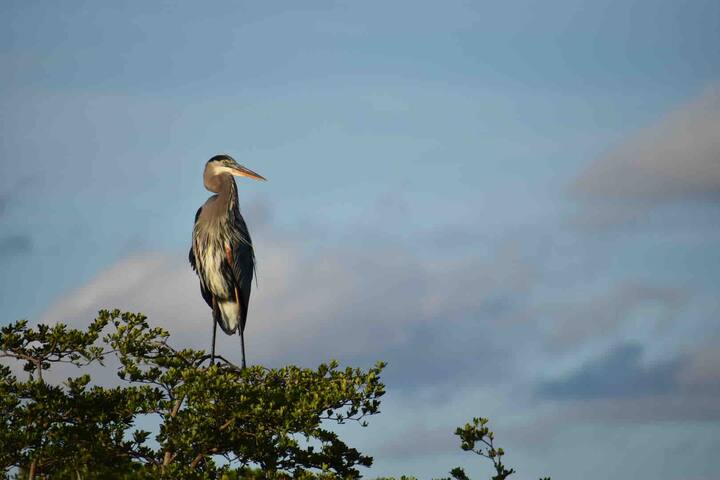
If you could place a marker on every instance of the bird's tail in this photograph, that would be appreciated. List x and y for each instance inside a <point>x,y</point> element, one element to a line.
<point>227,315</point>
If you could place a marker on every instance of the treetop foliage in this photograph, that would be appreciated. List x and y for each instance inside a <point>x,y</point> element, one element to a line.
<point>271,418</point>
<point>215,420</point>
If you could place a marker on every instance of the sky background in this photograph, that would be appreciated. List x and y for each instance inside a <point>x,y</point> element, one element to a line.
<point>516,204</point>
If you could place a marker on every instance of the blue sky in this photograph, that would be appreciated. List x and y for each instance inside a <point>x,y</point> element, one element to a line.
<point>514,203</point>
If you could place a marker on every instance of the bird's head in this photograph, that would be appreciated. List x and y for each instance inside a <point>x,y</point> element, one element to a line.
<point>221,165</point>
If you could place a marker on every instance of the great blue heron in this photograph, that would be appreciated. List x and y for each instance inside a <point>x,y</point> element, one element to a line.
<point>222,252</point>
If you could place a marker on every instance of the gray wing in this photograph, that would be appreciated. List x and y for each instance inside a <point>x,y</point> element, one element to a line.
<point>193,263</point>
<point>243,266</point>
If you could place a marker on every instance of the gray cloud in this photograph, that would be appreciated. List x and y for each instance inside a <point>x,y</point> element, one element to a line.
<point>603,314</point>
<point>666,176</point>
<point>434,325</point>
<point>701,372</point>
<point>464,336</point>
<point>678,158</point>
<point>446,322</point>
<point>618,373</point>
<point>667,407</point>
<point>15,245</point>
<point>619,387</point>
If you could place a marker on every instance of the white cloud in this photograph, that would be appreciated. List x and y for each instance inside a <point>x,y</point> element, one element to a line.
<point>434,321</point>
<point>463,336</point>
<point>653,176</point>
<point>341,303</point>
<point>677,158</point>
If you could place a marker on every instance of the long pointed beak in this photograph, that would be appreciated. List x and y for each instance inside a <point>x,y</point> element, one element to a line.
<point>241,171</point>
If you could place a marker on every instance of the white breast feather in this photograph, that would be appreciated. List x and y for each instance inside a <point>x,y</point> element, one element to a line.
<point>212,259</point>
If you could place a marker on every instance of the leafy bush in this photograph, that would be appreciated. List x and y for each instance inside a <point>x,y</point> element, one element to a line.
<point>215,421</point>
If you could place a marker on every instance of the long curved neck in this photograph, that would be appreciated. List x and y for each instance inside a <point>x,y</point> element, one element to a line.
<point>227,192</point>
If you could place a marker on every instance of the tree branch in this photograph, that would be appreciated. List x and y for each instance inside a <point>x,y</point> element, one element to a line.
<point>169,456</point>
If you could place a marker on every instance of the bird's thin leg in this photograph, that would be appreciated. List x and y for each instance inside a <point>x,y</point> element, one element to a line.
<point>212,353</point>
<point>242,346</point>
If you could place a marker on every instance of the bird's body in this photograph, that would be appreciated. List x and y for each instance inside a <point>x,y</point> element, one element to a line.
<point>222,253</point>
<point>222,244</point>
